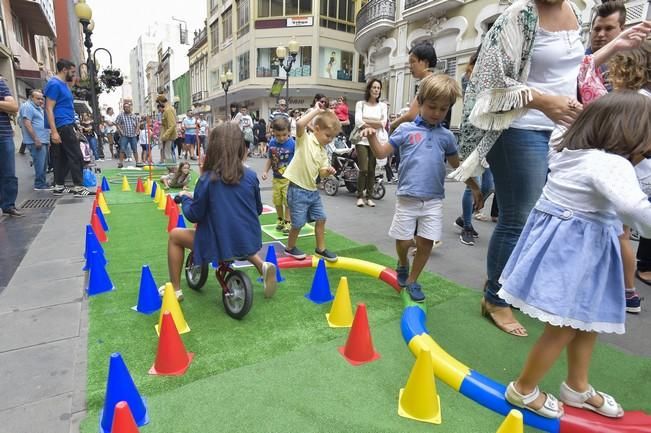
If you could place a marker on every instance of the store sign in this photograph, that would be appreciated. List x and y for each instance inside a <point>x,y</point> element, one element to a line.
<point>300,21</point>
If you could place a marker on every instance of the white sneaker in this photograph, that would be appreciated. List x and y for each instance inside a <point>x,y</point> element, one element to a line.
<point>179,293</point>
<point>269,279</point>
<point>370,202</point>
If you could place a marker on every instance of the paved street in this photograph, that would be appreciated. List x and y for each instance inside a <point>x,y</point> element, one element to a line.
<point>43,313</point>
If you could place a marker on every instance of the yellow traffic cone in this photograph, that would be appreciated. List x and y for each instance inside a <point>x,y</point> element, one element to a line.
<point>125,184</point>
<point>341,312</point>
<point>513,423</point>
<point>158,195</point>
<point>418,399</point>
<point>171,304</point>
<point>162,201</point>
<point>101,202</point>
<point>148,186</point>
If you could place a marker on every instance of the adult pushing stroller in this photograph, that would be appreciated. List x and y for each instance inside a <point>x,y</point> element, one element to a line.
<point>344,161</point>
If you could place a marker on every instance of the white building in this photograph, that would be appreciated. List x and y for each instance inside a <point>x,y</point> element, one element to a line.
<point>159,37</point>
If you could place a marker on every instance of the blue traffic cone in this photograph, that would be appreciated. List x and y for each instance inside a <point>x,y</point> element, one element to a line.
<point>102,220</point>
<point>99,280</point>
<point>271,258</point>
<point>320,292</point>
<point>120,387</point>
<point>105,184</point>
<point>180,222</point>
<point>148,298</point>
<point>92,244</point>
<point>153,190</point>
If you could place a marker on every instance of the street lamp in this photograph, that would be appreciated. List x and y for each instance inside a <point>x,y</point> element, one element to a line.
<point>281,53</point>
<point>226,80</point>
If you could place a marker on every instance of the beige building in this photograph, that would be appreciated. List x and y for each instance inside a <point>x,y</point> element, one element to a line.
<point>387,29</point>
<point>198,72</point>
<point>243,36</point>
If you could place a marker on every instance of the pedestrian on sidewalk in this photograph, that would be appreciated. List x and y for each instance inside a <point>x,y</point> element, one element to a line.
<point>127,124</point>
<point>36,136</point>
<point>168,125</point>
<point>60,118</point>
<point>8,179</point>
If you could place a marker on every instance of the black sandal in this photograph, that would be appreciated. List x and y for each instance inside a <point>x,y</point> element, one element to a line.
<point>644,280</point>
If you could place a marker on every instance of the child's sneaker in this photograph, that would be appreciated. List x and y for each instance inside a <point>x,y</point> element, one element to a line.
<point>633,302</point>
<point>179,293</point>
<point>402,273</point>
<point>287,227</point>
<point>328,256</point>
<point>269,279</point>
<point>295,252</point>
<point>280,226</point>
<point>467,237</point>
<point>415,292</point>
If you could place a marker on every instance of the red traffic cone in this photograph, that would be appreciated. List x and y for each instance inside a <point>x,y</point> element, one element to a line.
<point>97,228</point>
<point>359,346</point>
<point>139,186</point>
<point>92,212</point>
<point>171,358</point>
<point>173,216</point>
<point>168,204</point>
<point>123,421</point>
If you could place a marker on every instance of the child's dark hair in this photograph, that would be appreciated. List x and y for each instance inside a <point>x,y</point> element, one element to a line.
<point>425,51</point>
<point>175,180</point>
<point>619,123</point>
<point>225,152</point>
<point>280,123</point>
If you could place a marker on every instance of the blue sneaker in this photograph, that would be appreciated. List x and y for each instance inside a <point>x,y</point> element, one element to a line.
<point>415,292</point>
<point>402,273</point>
<point>633,302</point>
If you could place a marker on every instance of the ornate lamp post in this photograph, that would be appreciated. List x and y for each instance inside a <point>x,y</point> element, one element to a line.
<point>226,80</point>
<point>281,53</point>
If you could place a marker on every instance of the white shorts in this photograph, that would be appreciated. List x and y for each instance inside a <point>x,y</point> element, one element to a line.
<point>413,214</point>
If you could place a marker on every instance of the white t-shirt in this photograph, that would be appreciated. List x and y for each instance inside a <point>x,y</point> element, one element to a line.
<point>372,112</point>
<point>595,181</point>
<point>110,123</point>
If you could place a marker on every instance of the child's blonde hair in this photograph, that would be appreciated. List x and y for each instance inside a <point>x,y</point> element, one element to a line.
<point>436,87</point>
<point>327,120</point>
<point>631,69</point>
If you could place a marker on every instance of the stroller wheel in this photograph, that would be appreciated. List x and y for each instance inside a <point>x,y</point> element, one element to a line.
<point>378,191</point>
<point>331,186</point>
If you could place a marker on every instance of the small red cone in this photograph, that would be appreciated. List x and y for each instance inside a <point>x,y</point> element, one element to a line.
<point>359,346</point>
<point>98,190</point>
<point>97,228</point>
<point>173,216</point>
<point>123,421</point>
<point>139,186</point>
<point>168,204</point>
<point>171,358</point>
<point>92,212</point>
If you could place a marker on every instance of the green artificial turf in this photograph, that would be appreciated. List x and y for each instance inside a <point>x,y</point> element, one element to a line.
<point>278,370</point>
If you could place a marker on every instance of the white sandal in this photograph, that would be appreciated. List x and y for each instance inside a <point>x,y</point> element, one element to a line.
<point>550,408</point>
<point>610,408</point>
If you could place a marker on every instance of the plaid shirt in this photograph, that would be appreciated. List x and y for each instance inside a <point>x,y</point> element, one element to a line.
<point>128,123</point>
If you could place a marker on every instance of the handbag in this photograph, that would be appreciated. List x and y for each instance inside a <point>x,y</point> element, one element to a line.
<point>355,136</point>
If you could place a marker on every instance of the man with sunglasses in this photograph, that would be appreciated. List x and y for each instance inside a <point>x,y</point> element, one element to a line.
<point>281,110</point>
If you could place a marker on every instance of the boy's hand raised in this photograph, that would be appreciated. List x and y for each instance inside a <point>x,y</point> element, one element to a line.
<point>264,176</point>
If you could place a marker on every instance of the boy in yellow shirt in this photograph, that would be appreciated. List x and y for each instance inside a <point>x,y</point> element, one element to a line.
<point>310,160</point>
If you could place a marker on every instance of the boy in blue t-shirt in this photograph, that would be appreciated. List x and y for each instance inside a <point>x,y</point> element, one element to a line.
<point>423,146</point>
<point>281,152</point>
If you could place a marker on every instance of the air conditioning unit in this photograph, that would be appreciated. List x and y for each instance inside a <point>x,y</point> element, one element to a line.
<point>441,65</point>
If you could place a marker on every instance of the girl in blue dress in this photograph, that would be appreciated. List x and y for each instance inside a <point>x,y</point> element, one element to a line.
<point>225,205</point>
<point>566,269</point>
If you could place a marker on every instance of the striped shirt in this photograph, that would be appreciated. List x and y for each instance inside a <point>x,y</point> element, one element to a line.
<point>128,123</point>
<point>5,124</point>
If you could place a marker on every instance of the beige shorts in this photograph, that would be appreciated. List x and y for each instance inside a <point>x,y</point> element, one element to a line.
<point>415,216</point>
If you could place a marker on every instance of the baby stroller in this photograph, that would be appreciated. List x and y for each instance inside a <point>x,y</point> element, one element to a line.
<point>344,162</point>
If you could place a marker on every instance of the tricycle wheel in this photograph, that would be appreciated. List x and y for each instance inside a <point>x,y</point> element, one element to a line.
<point>195,275</point>
<point>331,186</point>
<point>238,298</point>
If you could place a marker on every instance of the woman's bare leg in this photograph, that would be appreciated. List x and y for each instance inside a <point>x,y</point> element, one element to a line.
<point>179,240</point>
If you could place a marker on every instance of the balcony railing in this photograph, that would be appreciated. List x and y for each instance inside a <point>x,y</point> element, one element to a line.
<point>412,3</point>
<point>199,96</point>
<point>375,10</point>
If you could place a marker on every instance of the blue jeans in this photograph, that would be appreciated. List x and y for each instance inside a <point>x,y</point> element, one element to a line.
<point>486,184</point>
<point>305,206</point>
<point>39,159</point>
<point>518,161</point>
<point>92,142</point>
<point>8,179</point>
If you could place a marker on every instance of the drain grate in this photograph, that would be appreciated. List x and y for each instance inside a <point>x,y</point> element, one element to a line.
<point>41,203</point>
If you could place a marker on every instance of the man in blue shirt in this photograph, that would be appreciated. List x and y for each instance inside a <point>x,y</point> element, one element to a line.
<point>60,119</point>
<point>35,136</point>
<point>8,179</point>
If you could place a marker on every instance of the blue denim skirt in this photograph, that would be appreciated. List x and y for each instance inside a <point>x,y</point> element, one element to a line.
<point>566,270</point>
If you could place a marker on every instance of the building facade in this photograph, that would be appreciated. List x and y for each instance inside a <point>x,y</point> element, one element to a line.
<point>69,41</point>
<point>198,73</point>
<point>139,56</point>
<point>152,86</point>
<point>182,96</point>
<point>243,36</point>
